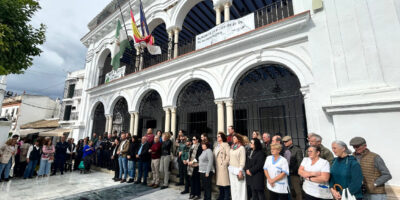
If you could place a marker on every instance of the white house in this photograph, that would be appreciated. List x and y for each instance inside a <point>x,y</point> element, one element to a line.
<point>71,103</point>
<point>28,108</point>
<point>289,67</point>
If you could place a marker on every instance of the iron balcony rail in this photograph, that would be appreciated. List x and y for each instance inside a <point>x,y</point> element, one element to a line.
<point>273,12</point>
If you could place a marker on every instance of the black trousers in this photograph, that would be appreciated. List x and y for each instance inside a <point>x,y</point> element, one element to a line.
<point>59,163</point>
<point>187,181</point>
<point>206,181</point>
<point>182,168</point>
<point>115,167</point>
<point>224,192</point>
<point>87,161</point>
<point>278,196</point>
<point>309,197</point>
<point>195,183</point>
<point>258,194</point>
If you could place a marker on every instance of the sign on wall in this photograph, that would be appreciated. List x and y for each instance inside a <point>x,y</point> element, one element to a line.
<point>115,74</point>
<point>225,30</point>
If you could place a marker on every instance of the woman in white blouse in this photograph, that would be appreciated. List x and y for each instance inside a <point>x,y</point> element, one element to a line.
<point>315,171</point>
<point>276,169</point>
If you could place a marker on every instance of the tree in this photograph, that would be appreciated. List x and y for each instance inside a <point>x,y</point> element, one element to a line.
<point>19,41</point>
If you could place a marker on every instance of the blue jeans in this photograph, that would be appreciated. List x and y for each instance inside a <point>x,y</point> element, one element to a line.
<point>44,168</point>
<point>143,171</point>
<point>131,168</point>
<point>30,168</point>
<point>375,196</point>
<point>5,167</point>
<point>123,167</point>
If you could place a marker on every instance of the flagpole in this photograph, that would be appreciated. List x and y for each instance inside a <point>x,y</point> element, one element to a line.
<point>123,21</point>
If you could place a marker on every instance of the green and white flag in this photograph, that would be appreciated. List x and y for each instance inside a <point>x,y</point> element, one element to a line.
<point>120,44</point>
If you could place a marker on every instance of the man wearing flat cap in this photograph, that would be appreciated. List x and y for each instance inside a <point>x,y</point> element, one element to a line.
<point>296,156</point>
<point>374,170</point>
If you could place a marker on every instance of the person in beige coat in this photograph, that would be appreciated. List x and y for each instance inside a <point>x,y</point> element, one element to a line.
<point>7,152</point>
<point>237,162</point>
<point>222,154</point>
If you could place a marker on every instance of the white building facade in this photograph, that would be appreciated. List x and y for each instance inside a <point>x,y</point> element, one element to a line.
<point>71,103</point>
<point>328,67</point>
<point>28,108</point>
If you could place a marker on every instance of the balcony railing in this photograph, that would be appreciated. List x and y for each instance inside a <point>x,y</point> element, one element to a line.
<point>269,14</point>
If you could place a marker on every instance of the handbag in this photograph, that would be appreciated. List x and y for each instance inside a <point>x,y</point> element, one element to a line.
<point>346,195</point>
<point>81,165</point>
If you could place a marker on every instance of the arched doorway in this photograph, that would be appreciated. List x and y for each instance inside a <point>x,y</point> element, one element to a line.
<point>151,113</point>
<point>121,116</point>
<point>196,110</point>
<point>99,120</point>
<point>268,99</point>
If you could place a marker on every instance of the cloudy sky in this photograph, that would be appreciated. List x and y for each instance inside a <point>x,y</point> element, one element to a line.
<point>66,22</point>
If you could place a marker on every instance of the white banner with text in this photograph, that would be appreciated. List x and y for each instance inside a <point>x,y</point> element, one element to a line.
<point>225,31</point>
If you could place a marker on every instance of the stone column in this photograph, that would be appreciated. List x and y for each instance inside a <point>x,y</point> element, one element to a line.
<point>220,111</point>
<point>132,122</point>
<point>167,119</point>
<point>141,58</point>
<point>110,120</point>
<point>136,126</point>
<point>173,120</point>
<point>137,61</point>
<point>227,14</point>
<point>170,44</point>
<point>218,15</point>
<point>107,119</point>
<point>176,36</point>
<point>229,112</point>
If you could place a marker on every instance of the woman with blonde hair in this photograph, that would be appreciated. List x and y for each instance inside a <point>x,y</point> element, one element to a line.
<point>237,163</point>
<point>7,152</point>
<point>276,169</point>
<point>48,151</point>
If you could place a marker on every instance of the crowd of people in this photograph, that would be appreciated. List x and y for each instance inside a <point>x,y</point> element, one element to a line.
<point>262,167</point>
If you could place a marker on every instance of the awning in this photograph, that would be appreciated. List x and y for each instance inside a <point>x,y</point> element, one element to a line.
<point>56,132</point>
<point>25,132</point>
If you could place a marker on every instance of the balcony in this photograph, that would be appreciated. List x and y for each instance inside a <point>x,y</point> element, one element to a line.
<point>269,14</point>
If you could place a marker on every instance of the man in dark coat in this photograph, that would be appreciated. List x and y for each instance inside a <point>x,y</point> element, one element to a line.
<point>144,158</point>
<point>61,155</point>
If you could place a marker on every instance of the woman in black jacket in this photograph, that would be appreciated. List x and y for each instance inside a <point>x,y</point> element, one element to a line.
<point>133,149</point>
<point>254,169</point>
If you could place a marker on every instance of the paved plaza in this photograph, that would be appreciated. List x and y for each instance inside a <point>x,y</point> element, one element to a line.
<point>96,185</point>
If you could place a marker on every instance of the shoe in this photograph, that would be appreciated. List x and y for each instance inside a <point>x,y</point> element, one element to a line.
<point>155,186</point>
<point>137,182</point>
<point>123,181</point>
<point>184,192</point>
<point>144,183</point>
<point>196,197</point>
<point>178,184</point>
<point>117,179</point>
<point>163,187</point>
<point>151,185</point>
<point>52,174</point>
<point>62,173</point>
<point>130,180</point>
<point>6,179</point>
<point>191,196</point>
